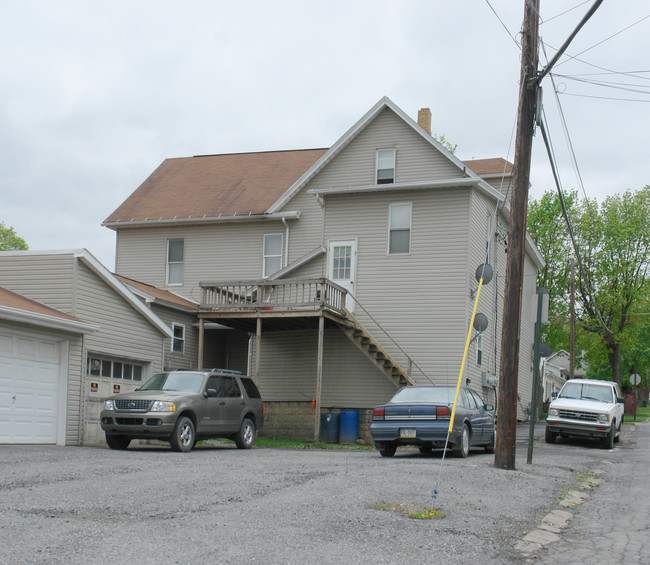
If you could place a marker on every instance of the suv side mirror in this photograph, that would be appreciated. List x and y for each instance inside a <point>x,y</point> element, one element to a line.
<point>210,393</point>
<point>620,400</point>
<point>489,407</point>
<point>554,395</point>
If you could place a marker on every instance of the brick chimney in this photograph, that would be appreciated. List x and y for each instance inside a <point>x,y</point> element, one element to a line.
<point>424,119</point>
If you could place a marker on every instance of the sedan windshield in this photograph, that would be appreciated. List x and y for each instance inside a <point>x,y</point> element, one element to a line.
<point>182,382</point>
<point>587,391</point>
<point>439,394</point>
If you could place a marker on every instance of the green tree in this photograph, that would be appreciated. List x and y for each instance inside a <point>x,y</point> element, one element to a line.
<point>9,240</point>
<point>613,239</point>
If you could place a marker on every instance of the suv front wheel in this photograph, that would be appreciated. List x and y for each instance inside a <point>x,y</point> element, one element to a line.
<point>183,436</point>
<point>246,434</point>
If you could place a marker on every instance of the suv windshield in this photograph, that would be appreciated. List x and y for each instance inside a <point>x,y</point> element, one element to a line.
<point>587,392</point>
<point>182,382</point>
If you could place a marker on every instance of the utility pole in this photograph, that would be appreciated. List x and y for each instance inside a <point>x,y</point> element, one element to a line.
<point>530,80</point>
<point>509,367</point>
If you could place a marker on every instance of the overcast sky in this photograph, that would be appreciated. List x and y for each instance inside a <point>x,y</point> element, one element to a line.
<point>95,95</point>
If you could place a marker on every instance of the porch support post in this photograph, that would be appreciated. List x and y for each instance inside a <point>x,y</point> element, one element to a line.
<point>319,375</point>
<point>258,348</point>
<point>201,338</point>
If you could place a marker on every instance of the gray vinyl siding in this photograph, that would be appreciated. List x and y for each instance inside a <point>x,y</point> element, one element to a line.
<point>419,298</point>
<point>222,252</point>
<point>123,333</point>
<point>190,356</point>
<point>45,278</point>
<point>288,370</point>
<point>415,158</point>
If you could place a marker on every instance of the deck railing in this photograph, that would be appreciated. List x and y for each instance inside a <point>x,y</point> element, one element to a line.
<point>290,294</point>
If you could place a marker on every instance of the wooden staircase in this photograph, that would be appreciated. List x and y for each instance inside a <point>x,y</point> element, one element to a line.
<point>377,355</point>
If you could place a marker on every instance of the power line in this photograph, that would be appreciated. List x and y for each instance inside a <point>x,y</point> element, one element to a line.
<point>608,38</point>
<point>563,13</point>
<point>503,24</point>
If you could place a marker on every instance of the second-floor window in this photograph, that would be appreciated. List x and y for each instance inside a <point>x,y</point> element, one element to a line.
<point>178,341</point>
<point>399,229</point>
<point>479,349</point>
<point>175,252</point>
<point>385,166</point>
<point>272,254</point>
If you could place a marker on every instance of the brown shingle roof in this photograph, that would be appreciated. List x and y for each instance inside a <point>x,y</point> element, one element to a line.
<point>10,299</point>
<point>214,185</point>
<point>159,293</point>
<point>496,166</point>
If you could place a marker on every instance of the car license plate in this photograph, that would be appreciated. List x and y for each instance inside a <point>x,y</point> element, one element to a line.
<point>406,433</point>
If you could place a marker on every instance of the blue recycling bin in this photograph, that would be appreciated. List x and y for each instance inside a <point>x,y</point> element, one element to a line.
<point>349,427</point>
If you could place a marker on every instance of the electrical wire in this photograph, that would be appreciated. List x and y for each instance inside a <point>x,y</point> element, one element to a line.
<point>581,268</point>
<point>503,24</point>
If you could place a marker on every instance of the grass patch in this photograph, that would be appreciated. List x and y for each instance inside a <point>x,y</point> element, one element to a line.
<point>642,414</point>
<point>410,511</point>
<point>281,443</point>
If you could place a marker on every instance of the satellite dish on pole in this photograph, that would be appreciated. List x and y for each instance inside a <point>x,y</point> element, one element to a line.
<point>545,350</point>
<point>480,322</point>
<point>484,272</point>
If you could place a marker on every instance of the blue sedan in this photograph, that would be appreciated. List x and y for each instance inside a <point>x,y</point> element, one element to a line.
<point>419,416</point>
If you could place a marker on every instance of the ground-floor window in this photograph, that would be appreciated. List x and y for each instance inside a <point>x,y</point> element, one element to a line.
<point>114,368</point>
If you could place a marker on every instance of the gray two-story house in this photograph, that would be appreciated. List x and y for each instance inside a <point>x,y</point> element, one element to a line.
<point>332,276</point>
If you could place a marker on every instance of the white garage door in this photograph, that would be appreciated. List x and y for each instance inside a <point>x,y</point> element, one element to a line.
<point>29,389</point>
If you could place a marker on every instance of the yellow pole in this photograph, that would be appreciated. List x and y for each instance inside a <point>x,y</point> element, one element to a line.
<point>462,366</point>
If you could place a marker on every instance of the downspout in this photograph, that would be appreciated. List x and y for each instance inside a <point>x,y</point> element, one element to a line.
<point>286,242</point>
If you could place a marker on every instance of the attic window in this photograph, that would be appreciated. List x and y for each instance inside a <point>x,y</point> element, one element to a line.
<point>385,166</point>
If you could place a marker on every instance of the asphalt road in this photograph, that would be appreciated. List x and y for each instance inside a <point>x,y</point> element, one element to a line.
<point>224,505</point>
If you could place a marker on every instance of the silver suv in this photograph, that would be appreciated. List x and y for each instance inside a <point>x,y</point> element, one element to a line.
<point>588,409</point>
<point>183,407</point>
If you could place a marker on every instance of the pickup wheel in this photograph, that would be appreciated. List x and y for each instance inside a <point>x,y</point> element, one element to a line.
<point>550,436</point>
<point>246,434</point>
<point>617,437</point>
<point>608,440</point>
<point>183,436</point>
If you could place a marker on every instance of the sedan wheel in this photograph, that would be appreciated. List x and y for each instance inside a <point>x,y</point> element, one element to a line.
<point>462,449</point>
<point>183,436</point>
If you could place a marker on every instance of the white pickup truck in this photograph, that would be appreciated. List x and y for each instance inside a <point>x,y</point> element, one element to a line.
<point>588,409</point>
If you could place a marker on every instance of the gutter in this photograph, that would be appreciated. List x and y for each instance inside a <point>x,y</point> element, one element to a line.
<point>291,215</point>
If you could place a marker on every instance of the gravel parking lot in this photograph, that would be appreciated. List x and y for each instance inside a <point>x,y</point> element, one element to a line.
<point>224,505</point>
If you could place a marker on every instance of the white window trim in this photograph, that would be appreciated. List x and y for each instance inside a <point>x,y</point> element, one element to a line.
<point>265,256</point>
<point>377,163</point>
<point>390,214</point>
<point>167,263</point>
<point>176,339</point>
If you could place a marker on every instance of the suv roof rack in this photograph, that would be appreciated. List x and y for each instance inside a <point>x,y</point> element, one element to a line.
<point>230,371</point>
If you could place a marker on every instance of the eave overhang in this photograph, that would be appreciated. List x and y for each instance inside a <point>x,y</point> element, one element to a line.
<point>119,224</point>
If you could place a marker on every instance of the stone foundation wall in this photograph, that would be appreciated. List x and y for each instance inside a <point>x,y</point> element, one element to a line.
<point>295,420</point>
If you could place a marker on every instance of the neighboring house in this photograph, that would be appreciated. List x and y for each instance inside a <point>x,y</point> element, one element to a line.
<point>556,371</point>
<point>342,273</point>
<point>107,334</point>
<point>40,396</point>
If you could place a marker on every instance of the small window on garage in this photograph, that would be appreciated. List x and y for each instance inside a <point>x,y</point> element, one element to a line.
<point>114,368</point>
<point>178,341</point>
<point>479,349</point>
